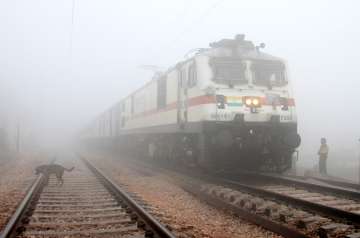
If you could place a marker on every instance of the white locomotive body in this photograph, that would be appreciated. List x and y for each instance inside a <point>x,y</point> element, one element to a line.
<point>227,105</point>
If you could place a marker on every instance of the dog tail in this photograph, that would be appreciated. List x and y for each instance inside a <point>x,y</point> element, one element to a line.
<point>69,170</point>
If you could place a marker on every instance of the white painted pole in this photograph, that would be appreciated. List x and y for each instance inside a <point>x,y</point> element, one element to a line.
<point>359,158</point>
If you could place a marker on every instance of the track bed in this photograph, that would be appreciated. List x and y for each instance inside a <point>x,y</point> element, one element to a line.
<point>88,204</point>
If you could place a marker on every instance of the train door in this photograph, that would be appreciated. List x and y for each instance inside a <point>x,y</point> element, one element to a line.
<point>182,105</point>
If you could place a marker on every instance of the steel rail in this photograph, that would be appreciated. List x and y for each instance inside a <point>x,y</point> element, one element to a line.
<point>348,193</point>
<point>193,187</point>
<point>244,214</point>
<point>232,180</point>
<point>10,228</point>
<point>156,226</point>
<point>333,212</point>
<point>152,227</point>
<point>336,213</point>
<point>338,183</point>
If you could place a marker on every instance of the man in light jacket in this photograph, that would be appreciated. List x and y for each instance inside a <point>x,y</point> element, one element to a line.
<point>323,154</point>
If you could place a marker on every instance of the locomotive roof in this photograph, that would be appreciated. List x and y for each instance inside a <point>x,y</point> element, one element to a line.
<point>238,47</point>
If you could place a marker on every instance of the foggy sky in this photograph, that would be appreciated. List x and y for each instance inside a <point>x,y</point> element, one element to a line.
<point>53,88</point>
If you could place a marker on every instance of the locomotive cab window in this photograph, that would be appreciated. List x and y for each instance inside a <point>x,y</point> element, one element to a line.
<point>268,73</point>
<point>228,71</point>
<point>161,93</point>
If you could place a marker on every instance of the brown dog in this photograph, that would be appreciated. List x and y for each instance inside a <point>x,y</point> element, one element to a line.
<point>56,169</point>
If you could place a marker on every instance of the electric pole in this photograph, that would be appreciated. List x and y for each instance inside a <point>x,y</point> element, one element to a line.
<point>18,138</point>
<point>359,157</point>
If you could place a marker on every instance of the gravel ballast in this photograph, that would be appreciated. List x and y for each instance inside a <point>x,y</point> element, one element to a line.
<point>184,213</point>
<point>16,176</point>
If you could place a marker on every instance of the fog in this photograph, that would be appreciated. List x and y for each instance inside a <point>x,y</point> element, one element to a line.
<point>57,72</point>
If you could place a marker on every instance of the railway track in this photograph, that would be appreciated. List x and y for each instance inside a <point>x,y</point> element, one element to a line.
<point>342,188</point>
<point>89,204</point>
<point>332,211</point>
<point>331,201</point>
<point>288,208</point>
<point>337,182</point>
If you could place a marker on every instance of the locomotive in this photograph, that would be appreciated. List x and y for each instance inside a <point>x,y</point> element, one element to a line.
<point>227,106</point>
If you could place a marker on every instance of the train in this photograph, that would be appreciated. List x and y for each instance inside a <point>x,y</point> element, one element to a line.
<point>226,106</point>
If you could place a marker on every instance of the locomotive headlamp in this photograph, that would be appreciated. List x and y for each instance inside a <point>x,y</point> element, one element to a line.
<point>248,102</point>
<point>255,102</point>
<point>252,101</point>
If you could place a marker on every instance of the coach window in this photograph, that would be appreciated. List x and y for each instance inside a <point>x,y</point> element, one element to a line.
<point>192,78</point>
<point>161,93</point>
<point>117,126</point>
<point>110,123</point>
<point>132,105</point>
<point>103,126</point>
<point>183,78</point>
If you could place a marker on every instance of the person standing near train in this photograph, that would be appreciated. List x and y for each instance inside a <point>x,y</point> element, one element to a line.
<point>323,155</point>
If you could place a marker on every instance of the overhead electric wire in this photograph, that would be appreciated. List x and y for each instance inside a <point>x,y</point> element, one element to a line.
<point>180,17</point>
<point>69,56</point>
<point>196,21</point>
<point>72,29</point>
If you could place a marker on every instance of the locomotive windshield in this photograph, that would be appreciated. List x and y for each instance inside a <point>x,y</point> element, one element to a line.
<point>268,73</point>
<point>228,71</point>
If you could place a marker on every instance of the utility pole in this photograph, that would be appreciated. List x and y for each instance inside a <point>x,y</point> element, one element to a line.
<point>359,158</point>
<point>18,138</point>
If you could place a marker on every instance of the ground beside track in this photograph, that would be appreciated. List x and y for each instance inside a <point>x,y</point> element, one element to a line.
<point>182,211</point>
<point>16,176</point>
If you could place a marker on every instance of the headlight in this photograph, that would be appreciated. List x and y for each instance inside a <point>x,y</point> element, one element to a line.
<point>248,102</point>
<point>255,102</point>
<point>252,101</point>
